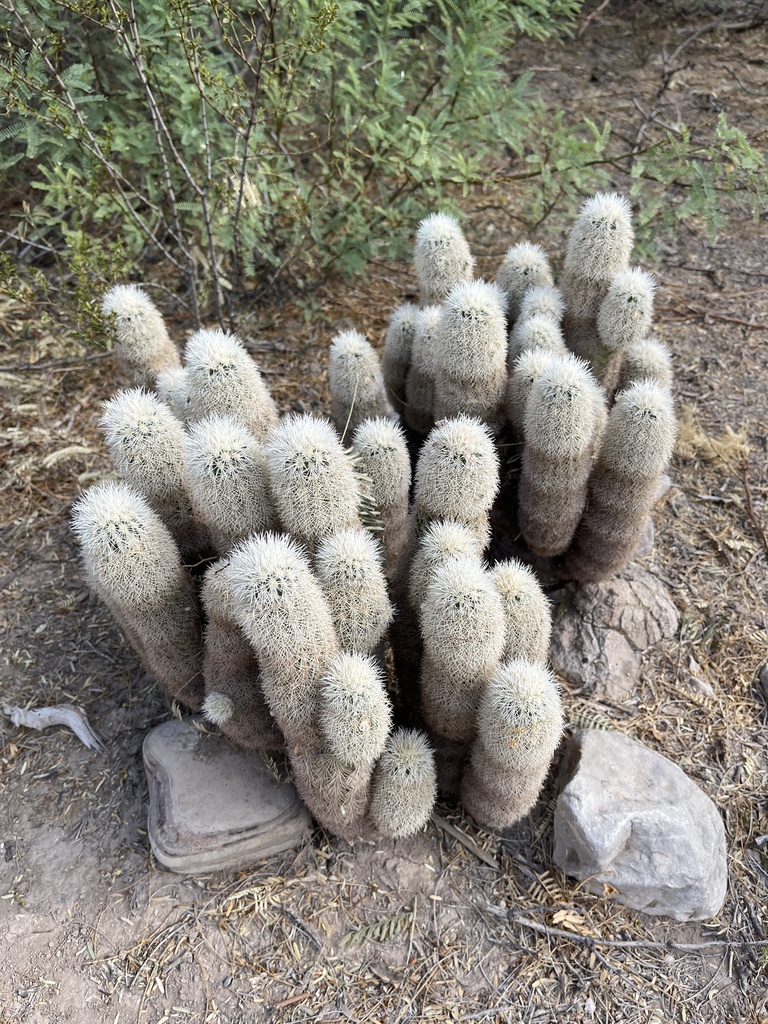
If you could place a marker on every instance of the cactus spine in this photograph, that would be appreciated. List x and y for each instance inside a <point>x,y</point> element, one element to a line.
<point>519,723</point>
<point>527,369</point>
<point>356,382</point>
<point>440,542</point>
<point>561,417</point>
<point>442,258</point>
<point>637,446</point>
<point>647,359</point>
<point>133,564</point>
<point>541,331</point>
<point>143,348</point>
<point>526,611</point>
<point>524,266</point>
<point>624,318</point>
<point>398,351</point>
<point>543,300</point>
<point>222,378</point>
<point>471,353</point>
<point>172,388</point>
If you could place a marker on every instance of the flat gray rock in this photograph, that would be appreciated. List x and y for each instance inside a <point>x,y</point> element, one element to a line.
<point>630,819</point>
<point>212,807</point>
<point>601,630</point>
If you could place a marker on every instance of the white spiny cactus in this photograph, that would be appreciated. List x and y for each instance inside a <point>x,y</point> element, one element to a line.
<point>312,480</point>
<point>540,331</point>
<point>404,785</point>
<point>442,258</point>
<point>143,348</point>
<point>600,242</point>
<point>226,471</point>
<point>397,355</point>
<point>440,542</point>
<point>356,382</point>
<point>172,389</point>
<point>355,712</point>
<point>527,368</point>
<point>524,266</point>
<point>527,612</point>
<point>543,300</point>
<point>457,475</point>
<point>647,359</point>
<point>223,378</point>
<point>348,565</point>
<point>419,411</point>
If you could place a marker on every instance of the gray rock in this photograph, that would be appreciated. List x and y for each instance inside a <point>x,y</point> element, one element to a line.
<point>645,547</point>
<point>630,819</point>
<point>602,629</point>
<point>212,807</point>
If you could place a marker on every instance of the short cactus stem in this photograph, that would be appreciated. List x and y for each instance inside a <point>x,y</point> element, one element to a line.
<point>143,348</point>
<point>336,793</point>
<point>527,611</point>
<point>440,542</point>
<point>224,379</point>
<point>442,258</point>
<point>527,369</point>
<point>637,445</point>
<point>234,700</point>
<point>647,359</point>
<point>524,266</point>
<point>312,480</point>
<point>355,713</point>
<point>519,724</point>
<point>356,382</point>
<point>543,300</point>
<point>560,422</point>
<point>536,332</point>
<point>404,785</point>
<point>133,564</point>
<point>172,388</point>
<point>226,472</point>
<point>419,411</point>
<point>463,625</point>
<point>471,353</point>
<point>624,318</point>
<point>457,476</point>
<point>398,352</point>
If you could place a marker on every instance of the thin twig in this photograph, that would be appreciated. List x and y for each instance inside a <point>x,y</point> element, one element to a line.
<point>465,841</point>
<point>750,506</point>
<point>55,364</point>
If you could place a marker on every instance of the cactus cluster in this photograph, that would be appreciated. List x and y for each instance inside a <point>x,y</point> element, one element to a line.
<point>342,593</point>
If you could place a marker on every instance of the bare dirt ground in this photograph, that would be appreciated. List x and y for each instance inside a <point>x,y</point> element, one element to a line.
<point>456,924</point>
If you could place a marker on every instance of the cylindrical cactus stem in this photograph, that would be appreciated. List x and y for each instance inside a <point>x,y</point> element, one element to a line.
<point>647,359</point>
<point>540,331</point>
<point>336,793</point>
<point>146,443</point>
<point>463,626</point>
<point>559,428</point>
<point>356,382</point>
<point>442,258</point>
<point>457,476</point>
<point>355,712</point>
<point>172,389</point>
<point>543,300</point>
<point>527,369</point>
<point>282,610</point>
<point>637,445</point>
<point>224,379</point>
<point>440,542</point>
<point>527,611</point>
<point>382,456</point>
<point>133,564</point>
<point>624,318</point>
<point>519,724</point>
<point>226,471</point>
<point>143,348</point>
<point>348,565</point>
<point>419,411</point>
<point>599,247</point>
<point>524,266</point>
<point>404,785</point>
<point>471,353</point>
<point>234,700</point>
<point>313,482</point>
<point>398,353</point>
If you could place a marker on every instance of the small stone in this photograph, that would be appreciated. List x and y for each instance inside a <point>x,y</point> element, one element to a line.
<point>213,807</point>
<point>630,819</point>
<point>645,547</point>
<point>601,630</point>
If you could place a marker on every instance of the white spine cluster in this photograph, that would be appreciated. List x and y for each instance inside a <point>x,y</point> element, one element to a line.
<point>524,266</point>
<point>471,352</point>
<point>349,569</point>
<point>627,310</point>
<point>312,480</point>
<point>526,610</point>
<point>540,331</point>
<point>222,378</point>
<point>648,359</point>
<point>440,542</point>
<point>457,475</point>
<point>442,258</point>
<point>143,348</point>
<point>356,382</point>
<point>543,300</point>
<point>601,240</point>
<point>355,712</point>
<point>173,389</point>
<point>527,368</point>
<point>226,471</point>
